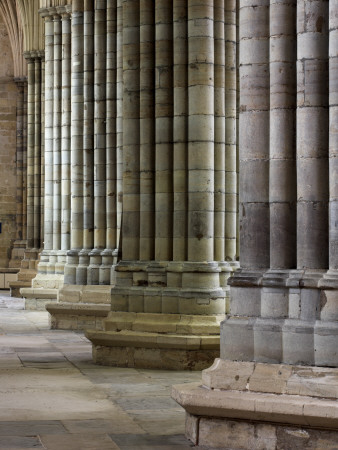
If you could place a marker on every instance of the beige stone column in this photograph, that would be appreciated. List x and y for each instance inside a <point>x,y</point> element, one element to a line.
<point>100,37</point>
<point>131,130</point>
<point>109,255</point>
<point>49,95</point>
<point>164,130</point>
<point>178,118</point>
<point>30,150</point>
<point>37,153</point>
<point>147,129</point>
<point>57,161</point>
<point>180,140</point>
<point>119,120</point>
<point>65,132</point>
<point>230,112</point>
<point>77,114</point>
<point>88,142</point>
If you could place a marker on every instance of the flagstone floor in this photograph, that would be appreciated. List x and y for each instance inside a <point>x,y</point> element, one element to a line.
<point>53,397</point>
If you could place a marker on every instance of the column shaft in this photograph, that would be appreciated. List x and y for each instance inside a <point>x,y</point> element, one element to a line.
<point>282,187</point>
<point>219,124</point>
<point>111,192</point>
<point>147,129</point>
<point>254,137</point>
<point>100,124</point>
<point>131,130</point>
<point>65,131</point>
<point>88,132</point>
<point>312,135</point>
<point>37,154</point>
<point>201,131</point>
<point>164,130</point>
<point>49,143</point>
<point>57,133</point>
<point>30,152</point>
<point>333,133</point>
<point>77,127</point>
<point>230,163</point>
<point>180,130</point>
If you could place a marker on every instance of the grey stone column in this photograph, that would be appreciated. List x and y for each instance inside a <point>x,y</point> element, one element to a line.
<point>147,129</point>
<point>77,114</point>
<point>254,143</point>
<point>57,161</point>
<point>49,99</point>
<point>164,130</point>
<point>88,143</point>
<point>25,126</point>
<point>180,127</point>
<point>230,112</point>
<point>119,121</point>
<point>100,37</point>
<point>312,135</point>
<point>65,132</point>
<point>131,130</point>
<point>333,134</point>
<point>282,187</point>
<point>109,255</point>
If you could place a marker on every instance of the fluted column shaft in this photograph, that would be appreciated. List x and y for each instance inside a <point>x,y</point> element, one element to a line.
<point>312,134</point>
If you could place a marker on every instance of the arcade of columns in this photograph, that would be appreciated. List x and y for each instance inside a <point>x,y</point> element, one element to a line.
<point>132,126</point>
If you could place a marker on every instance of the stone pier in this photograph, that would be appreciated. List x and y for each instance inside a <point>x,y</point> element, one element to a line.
<point>179,185</point>
<point>275,384</point>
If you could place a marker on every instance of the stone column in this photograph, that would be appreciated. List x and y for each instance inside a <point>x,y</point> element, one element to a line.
<point>30,151</point>
<point>147,130</point>
<point>100,37</point>
<point>180,141</point>
<point>19,245</point>
<point>37,154</point>
<point>109,255</point>
<point>57,161</point>
<point>312,135</point>
<point>77,115</point>
<point>65,136</point>
<point>131,130</point>
<point>88,143</point>
<point>163,130</point>
<point>172,170</point>
<point>279,341</point>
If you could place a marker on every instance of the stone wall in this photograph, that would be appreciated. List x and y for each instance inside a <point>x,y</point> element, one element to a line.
<point>8,98</point>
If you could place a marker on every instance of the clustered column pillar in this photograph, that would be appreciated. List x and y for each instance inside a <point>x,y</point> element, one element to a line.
<point>33,157</point>
<point>279,340</point>
<point>171,272</point>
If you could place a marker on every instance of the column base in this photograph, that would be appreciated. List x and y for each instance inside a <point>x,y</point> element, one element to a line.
<point>44,289</point>
<point>255,405</point>
<point>80,307</point>
<point>165,315</point>
<point>156,341</point>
